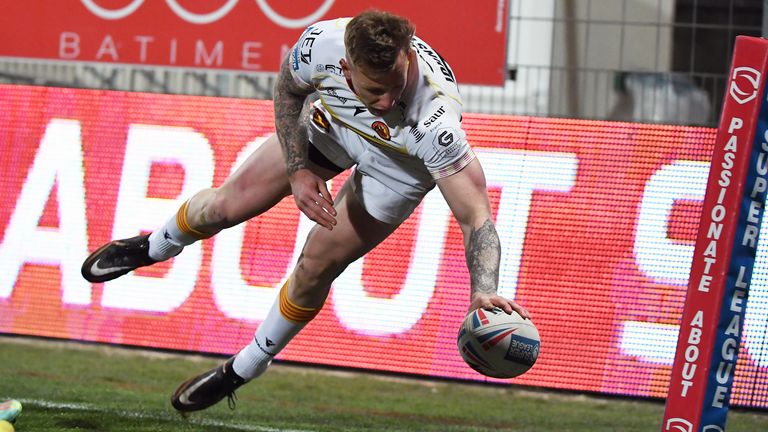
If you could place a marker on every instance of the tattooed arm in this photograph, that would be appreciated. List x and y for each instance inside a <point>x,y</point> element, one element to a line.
<point>467,197</point>
<point>483,251</point>
<point>309,190</point>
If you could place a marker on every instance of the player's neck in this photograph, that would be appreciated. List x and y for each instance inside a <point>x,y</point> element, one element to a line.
<point>412,77</point>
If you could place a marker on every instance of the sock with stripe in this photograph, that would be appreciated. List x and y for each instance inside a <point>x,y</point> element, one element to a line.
<point>284,321</point>
<point>170,239</point>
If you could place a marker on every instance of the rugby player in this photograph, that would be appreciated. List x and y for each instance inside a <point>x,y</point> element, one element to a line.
<point>366,93</point>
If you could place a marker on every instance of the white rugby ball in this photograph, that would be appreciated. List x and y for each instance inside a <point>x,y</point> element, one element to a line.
<point>498,344</point>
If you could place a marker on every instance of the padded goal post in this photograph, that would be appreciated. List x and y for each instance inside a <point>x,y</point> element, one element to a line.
<point>724,255</point>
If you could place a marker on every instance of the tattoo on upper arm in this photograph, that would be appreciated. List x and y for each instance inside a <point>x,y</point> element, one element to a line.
<point>483,256</point>
<point>289,123</point>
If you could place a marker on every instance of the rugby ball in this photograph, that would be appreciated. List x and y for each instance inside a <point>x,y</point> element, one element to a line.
<point>498,344</point>
<point>10,410</point>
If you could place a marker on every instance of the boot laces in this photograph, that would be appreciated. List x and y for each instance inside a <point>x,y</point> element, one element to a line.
<point>232,400</point>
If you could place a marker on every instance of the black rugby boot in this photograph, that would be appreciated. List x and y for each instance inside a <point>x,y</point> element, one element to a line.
<point>117,258</point>
<point>208,388</point>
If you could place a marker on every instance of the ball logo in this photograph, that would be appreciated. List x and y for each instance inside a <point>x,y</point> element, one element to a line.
<point>479,319</point>
<point>210,17</point>
<point>744,84</point>
<point>489,340</point>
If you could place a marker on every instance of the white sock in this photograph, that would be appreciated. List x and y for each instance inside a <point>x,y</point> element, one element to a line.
<point>271,337</point>
<point>169,240</point>
<point>162,248</point>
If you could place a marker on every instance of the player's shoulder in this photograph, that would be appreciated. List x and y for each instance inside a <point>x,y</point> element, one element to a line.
<point>320,43</point>
<point>438,130</point>
<point>437,67</point>
<point>326,28</point>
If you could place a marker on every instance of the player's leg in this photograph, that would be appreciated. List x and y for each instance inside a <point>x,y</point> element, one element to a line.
<point>259,184</point>
<point>252,189</point>
<point>325,255</point>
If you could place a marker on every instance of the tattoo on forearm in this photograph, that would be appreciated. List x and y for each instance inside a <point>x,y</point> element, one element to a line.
<point>483,256</point>
<point>289,124</point>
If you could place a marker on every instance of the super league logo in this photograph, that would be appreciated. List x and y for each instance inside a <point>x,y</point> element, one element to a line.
<point>678,425</point>
<point>683,425</point>
<point>744,84</point>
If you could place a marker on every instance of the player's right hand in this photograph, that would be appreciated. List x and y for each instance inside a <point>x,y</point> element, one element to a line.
<point>312,197</point>
<point>490,301</point>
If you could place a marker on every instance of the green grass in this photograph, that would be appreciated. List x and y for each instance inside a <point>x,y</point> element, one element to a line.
<point>67,387</point>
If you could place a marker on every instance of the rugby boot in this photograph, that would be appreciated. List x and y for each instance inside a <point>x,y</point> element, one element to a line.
<point>208,388</point>
<point>117,258</point>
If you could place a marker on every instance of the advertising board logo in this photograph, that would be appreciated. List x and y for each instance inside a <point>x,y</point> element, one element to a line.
<point>678,425</point>
<point>744,84</point>
<point>210,17</point>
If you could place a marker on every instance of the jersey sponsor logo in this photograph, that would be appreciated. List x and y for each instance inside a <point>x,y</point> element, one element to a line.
<point>336,70</point>
<point>305,45</point>
<point>445,70</point>
<point>359,110</point>
<point>418,134</point>
<point>333,93</point>
<point>445,138</point>
<point>319,119</point>
<point>447,141</point>
<point>381,129</point>
<point>295,59</point>
<point>433,118</point>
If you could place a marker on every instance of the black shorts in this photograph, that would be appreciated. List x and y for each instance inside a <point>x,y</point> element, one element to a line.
<point>320,160</point>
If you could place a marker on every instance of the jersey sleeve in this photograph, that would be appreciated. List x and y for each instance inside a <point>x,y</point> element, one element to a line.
<point>316,54</point>
<point>440,142</point>
<point>304,56</point>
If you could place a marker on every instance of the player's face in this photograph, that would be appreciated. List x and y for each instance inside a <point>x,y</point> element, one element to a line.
<point>379,91</point>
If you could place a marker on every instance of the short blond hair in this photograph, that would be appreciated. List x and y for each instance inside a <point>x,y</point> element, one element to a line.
<point>374,39</point>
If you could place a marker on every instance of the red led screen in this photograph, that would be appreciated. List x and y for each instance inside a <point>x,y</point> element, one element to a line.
<point>597,221</point>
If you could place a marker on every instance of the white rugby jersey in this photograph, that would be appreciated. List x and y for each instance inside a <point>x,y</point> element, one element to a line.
<point>425,124</point>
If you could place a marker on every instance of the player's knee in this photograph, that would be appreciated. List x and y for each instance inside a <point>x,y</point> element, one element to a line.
<point>215,212</point>
<point>320,269</point>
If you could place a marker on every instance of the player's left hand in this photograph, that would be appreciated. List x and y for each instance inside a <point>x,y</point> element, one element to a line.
<point>490,301</point>
<point>312,197</point>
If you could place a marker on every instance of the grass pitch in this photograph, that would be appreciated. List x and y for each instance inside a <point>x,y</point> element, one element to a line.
<point>83,387</point>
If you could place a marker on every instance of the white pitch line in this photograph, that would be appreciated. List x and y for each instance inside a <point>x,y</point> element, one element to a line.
<point>145,416</point>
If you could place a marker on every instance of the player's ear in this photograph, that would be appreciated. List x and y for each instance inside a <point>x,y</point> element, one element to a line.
<point>411,56</point>
<point>345,68</point>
